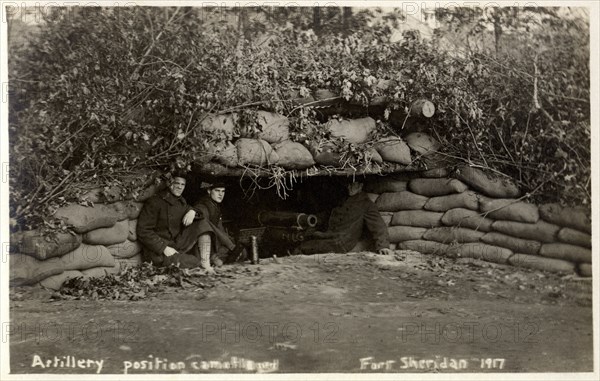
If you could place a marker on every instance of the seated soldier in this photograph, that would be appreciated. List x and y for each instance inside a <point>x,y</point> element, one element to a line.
<point>214,242</point>
<point>167,230</point>
<point>346,224</point>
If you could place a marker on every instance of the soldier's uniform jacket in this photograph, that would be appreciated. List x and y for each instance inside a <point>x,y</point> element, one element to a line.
<point>159,224</point>
<point>210,211</point>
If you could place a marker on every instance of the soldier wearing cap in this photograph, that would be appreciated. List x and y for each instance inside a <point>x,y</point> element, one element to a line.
<point>214,242</point>
<point>346,224</point>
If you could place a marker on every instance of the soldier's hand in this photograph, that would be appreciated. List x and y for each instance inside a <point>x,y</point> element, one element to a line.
<point>386,251</point>
<point>189,218</point>
<point>168,251</point>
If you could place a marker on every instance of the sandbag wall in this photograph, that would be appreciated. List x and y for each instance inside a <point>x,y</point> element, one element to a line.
<point>475,216</point>
<point>268,143</point>
<point>102,241</point>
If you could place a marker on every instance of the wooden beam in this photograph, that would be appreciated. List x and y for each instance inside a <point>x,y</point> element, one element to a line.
<point>219,170</point>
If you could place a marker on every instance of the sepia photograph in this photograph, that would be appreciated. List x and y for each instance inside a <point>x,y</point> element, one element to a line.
<point>299,190</point>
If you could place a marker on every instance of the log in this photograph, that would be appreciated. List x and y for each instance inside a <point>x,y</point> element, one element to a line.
<point>422,107</point>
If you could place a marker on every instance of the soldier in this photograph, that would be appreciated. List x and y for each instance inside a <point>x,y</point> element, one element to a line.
<point>213,239</point>
<point>346,226</point>
<point>168,229</point>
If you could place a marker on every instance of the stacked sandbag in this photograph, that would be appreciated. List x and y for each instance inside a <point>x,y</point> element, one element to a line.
<point>394,150</point>
<point>488,253</point>
<point>100,272</point>
<point>55,282</point>
<point>518,245</point>
<point>435,172</point>
<point>372,156</point>
<point>42,247</point>
<point>225,153</point>
<point>467,218</point>
<point>478,216</point>
<point>124,263</point>
<point>219,123</point>
<point>417,218</point>
<point>396,201</point>
<point>127,209</point>
<point>422,143</point>
<point>355,131</point>
<point>293,155</point>
<point>132,234</point>
<point>426,149</point>
<point>453,234</point>
<point>325,154</point>
<point>464,200</point>
<point>428,247</point>
<point>573,218</point>
<point>83,219</point>
<point>487,184</point>
<point>509,209</point>
<point>575,237</point>
<point>274,128</point>
<point>541,263</point>
<point>255,152</point>
<point>432,187</point>
<point>108,236</point>
<point>26,270</point>
<point>125,249</point>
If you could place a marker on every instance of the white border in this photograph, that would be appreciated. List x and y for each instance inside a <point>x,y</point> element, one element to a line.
<point>594,8</point>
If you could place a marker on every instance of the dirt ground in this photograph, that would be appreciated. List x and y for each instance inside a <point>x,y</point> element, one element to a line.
<point>360,312</point>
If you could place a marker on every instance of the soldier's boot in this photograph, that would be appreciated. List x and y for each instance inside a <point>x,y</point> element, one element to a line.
<point>204,245</point>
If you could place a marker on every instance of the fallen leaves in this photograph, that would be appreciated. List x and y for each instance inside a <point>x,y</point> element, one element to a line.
<point>133,283</point>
